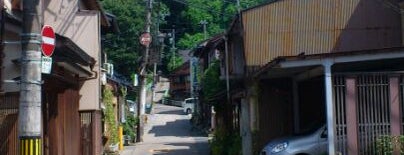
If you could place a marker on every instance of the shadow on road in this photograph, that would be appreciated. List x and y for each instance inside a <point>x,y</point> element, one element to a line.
<point>200,148</point>
<point>172,112</point>
<point>177,128</point>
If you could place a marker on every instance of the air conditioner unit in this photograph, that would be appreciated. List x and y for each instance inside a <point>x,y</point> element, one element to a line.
<point>109,68</point>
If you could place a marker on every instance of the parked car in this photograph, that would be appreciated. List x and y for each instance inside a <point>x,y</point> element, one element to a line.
<point>312,142</point>
<point>189,105</point>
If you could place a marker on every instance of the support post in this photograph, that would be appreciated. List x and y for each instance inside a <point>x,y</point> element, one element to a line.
<point>395,113</point>
<point>296,111</point>
<point>245,130</point>
<point>329,106</point>
<point>253,113</point>
<point>29,115</point>
<point>351,115</point>
<point>203,23</point>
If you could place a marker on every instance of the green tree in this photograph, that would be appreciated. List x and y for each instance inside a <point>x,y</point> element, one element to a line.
<point>174,62</point>
<point>217,13</point>
<point>124,49</point>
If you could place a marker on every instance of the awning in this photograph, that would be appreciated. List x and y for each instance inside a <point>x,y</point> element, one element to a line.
<point>292,64</point>
<point>67,51</point>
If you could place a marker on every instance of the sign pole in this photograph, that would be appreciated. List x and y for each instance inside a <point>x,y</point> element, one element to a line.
<point>29,113</point>
<point>145,40</point>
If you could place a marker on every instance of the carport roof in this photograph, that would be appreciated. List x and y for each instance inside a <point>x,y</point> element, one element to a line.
<point>303,62</point>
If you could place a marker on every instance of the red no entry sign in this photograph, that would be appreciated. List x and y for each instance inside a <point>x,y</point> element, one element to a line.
<point>48,40</point>
<point>145,39</point>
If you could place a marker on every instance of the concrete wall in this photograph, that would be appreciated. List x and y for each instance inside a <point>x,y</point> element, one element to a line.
<point>11,51</point>
<point>83,28</point>
<point>88,37</point>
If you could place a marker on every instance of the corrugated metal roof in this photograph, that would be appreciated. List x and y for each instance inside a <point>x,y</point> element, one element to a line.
<point>293,27</point>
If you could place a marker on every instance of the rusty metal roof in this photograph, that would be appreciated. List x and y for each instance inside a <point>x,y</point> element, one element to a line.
<point>209,44</point>
<point>310,27</point>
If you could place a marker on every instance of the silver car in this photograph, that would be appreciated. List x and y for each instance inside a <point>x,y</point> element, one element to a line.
<point>309,143</point>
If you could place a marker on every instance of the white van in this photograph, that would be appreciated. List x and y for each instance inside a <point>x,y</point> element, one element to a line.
<point>188,105</point>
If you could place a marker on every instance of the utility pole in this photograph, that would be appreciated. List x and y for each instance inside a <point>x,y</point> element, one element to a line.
<point>142,94</point>
<point>203,23</point>
<point>238,6</point>
<point>29,114</point>
<point>173,45</point>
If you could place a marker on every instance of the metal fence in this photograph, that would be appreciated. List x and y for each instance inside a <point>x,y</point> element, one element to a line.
<point>8,124</point>
<point>86,133</point>
<point>373,110</point>
<point>339,99</point>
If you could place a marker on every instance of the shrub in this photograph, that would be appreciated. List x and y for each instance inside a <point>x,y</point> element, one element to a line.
<point>225,143</point>
<point>386,144</point>
<point>129,126</point>
<point>112,125</point>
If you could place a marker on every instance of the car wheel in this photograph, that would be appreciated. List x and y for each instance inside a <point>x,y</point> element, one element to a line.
<point>189,111</point>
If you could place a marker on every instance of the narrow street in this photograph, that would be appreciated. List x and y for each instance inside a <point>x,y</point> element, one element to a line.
<point>169,132</point>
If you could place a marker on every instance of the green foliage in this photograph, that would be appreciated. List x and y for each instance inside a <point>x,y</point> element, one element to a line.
<point>217,13</point>
<point>211,82</point>
<point>112,125</point>
<point>123,91</point>
<point>225,143</point>
<point>129,126</point>
<point>174,62</point>
<point>189,41</point>
<point>124,49</point>
<point>385,144</point>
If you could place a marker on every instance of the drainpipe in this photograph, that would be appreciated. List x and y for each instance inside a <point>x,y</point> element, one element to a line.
<point>329,106</point>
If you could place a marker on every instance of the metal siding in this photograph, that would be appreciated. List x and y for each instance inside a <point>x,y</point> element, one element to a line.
<point>8,123</point>
<point>290,27</point>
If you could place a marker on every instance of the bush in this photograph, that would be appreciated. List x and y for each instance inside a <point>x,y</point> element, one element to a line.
<point>225,143</point>
<point>112,125</point>
<point>129,126</point>
<point>385,144</point>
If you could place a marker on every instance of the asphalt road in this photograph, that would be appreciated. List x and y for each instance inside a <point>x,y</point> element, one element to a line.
<point>169,132</point>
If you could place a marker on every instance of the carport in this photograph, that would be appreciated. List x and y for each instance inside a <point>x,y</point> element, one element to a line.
<point>361,91</point>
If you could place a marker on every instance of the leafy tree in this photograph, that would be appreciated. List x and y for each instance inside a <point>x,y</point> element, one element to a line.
<point>189,41</point>
<point>217,13</point>
<point>124,49</point>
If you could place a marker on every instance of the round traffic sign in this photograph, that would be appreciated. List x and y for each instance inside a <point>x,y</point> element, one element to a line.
<point>48,40</point>
<point>145,39</point>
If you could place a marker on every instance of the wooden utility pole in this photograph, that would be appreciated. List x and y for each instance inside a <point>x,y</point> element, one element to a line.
<point>29,115</point>
<point>142,94</point>
<point>205,34</point>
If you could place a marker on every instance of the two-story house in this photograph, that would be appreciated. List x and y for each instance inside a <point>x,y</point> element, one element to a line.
<point>331,62</point>
<point>71,97</point>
